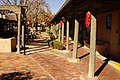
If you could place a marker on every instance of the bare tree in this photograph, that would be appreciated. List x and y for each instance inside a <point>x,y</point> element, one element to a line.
<point>37,10</point>
<point>14,2</point>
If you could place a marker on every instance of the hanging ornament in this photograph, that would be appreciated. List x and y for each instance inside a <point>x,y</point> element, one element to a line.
<point>88,20</point>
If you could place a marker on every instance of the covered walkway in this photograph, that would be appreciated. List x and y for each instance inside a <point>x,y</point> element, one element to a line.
<point>94,24</point>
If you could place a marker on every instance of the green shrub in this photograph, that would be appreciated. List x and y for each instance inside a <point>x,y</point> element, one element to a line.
<point>52,37</point>
<point>50,43</point>
<point>56,45</point>
<point>48,31</point>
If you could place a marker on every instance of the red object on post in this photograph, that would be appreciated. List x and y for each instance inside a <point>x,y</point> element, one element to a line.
<point>60,23</point>
<point>88,20</point>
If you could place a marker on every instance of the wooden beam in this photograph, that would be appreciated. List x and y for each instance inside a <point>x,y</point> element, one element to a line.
<point>63,25</point>
<point>92,56</point>
<point>18,37</point>
<point>59,36</point>
<point>75,40</point>
<point>11,8</point>
<point>67,38</point>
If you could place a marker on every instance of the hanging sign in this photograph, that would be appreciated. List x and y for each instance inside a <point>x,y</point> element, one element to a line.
<point>88,20</point>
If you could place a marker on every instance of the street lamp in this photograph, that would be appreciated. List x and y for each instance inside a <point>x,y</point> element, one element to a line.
<point>24,23</point>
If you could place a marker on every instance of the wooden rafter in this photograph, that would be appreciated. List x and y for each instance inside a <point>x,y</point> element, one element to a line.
<point>11,8</point>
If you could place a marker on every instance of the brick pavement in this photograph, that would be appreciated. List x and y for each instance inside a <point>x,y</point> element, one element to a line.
<point>21,68</point>
<point>61,69</point>
<point>57,64</point>
<point>58,67</point>
<point>44,63</point>
<point>48,65</point>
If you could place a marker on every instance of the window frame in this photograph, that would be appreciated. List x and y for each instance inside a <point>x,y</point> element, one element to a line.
<point>109,21</point>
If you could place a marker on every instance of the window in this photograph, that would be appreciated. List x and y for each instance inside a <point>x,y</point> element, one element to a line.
<point>108,21</point>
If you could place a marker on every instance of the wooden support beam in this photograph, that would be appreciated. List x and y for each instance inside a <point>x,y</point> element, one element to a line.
<point>67,39</point>
<point>23,32</point>
<point>11,8</point>
<point>92,48</point>
<point>62,33</point>
<point>74,56</point>
<point>18,37</point>
<point>59,36</point>
<point>91,70</point>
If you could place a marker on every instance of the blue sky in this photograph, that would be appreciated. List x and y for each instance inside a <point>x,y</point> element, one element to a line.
<point>55,5</point>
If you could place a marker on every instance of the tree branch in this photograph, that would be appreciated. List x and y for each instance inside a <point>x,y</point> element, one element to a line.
<point>4,2</point>
<point>9,2</point>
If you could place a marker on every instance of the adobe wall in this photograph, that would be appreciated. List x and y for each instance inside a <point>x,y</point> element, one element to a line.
<point>109,35</point>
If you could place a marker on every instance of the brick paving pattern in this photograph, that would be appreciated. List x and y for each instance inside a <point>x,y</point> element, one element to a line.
<point>44,63</point>
<point>59,67</point>
<point>11,63</point>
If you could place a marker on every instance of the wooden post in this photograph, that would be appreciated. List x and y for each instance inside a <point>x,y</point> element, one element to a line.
<point>67,39</point>
<point>92,48</point>
<point>59,36</point>
<point>18,37</point>
<point>9,29</point>
<point>23,35</point>
<point>75,40</point>
<point>62,33</point>
<point>51,28</point>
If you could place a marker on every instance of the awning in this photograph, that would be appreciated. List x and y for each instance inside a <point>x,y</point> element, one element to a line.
<point>77,9</point>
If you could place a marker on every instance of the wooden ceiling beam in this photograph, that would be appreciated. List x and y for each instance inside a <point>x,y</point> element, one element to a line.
<point>11,8</point>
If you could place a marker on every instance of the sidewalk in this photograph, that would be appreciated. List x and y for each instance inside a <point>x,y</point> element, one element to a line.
<point>61,69</point>
<point>20,67</point>
<point>103,70</point>
<point>44,63</point>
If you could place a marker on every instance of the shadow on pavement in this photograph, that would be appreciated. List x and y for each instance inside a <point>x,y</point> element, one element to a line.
<point>102,67</point>
<point>77,48</point>
<point>84,55</point>
<point>16,76</point>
